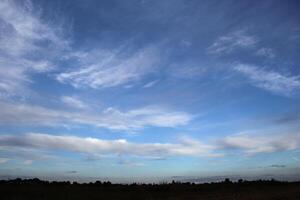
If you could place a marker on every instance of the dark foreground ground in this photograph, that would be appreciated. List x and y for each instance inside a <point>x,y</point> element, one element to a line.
<point>34,189</point>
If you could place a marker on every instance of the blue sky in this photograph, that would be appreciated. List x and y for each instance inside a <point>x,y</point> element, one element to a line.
<point>149,90</point>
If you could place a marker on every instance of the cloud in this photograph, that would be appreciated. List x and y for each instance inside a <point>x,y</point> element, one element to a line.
<point>25,40</point>
<point>277,166</point>
<point>154,158</point>
<point>95,149</point>
<point>71,172</point>
<point>93,157</point>
<point>130,163</point>
<point>104,68</point>
<point>253,144</point>
<point>270,80</point>
<point>73,102</point>
<point>231,42</point>
<point>187,71</point>
<point>3,160</point>
<point>29,44</point>
<point>266,52</point>
<point>28,162</point>
<point>25,154</point>
<point>150,84</point>
<point>88,145</point>
<point>110,118</point>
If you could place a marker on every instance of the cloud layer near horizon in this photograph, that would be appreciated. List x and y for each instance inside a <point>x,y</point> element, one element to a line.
<point>247,144</point>
<point>98,146</point>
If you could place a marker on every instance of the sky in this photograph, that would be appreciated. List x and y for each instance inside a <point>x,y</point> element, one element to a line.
<point>148,90</point>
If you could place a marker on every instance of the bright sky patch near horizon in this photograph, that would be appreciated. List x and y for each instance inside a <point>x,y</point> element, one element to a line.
<point>146,90</point>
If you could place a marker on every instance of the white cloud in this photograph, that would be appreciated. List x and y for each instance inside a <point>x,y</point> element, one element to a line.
<point>111,118</point>
<point>270,80</point>
<point>253,144</point>
<point>231,42</point>
<point>24,41</point>
<point>103,68</point>
<point>150,84</point>
<point>96,146</point>
<point>73,102</point>
<point>266,52</point>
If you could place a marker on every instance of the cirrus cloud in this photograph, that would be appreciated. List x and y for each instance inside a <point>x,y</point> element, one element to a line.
<point>110,68</point>
<point>270,80</point>
<point>23,34</point>
<point>235,40</point>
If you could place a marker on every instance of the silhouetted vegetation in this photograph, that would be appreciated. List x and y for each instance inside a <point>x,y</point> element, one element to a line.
<point>34,189</point>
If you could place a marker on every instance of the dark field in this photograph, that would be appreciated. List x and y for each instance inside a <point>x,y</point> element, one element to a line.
<point>32,189</point>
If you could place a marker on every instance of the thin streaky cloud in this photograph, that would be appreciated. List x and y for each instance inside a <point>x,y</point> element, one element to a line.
<point>272,81</point>
<point>277,166</point>
<point>110,118</point>
<point>104,69</point>
<point>21,153</point>
<point>150,84</point>
<point>73,102</point>
<point>187,71</point>
<point>232,41</point>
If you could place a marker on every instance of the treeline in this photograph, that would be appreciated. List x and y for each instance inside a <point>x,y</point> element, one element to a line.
<point>227,181</point>
<point>36,189</point>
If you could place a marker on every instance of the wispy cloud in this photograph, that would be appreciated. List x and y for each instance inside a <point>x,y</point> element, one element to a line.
<point>266,52</point>
<point>98,146</point>
<point>270,80</point>
<point>23,34</point>
<point>25,154</point>
<point>28,162</point>
<point>150,84</point>
<point>3,160</point>
<point>110,68</point>
<point>277,166</point>
<point>231,42</point>
<point>253,144</point>
<point>130,163</point>
<point>110,118</point>
<point>73,102</point>
<point>240,40</point>
<point>187,71</point>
